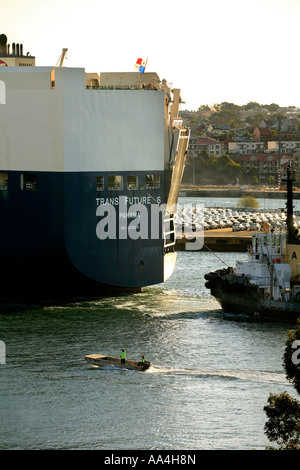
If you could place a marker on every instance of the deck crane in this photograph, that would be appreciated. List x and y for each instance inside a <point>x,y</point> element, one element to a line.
<point>61,59</point>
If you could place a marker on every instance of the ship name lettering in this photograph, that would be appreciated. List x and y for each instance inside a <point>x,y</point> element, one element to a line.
<point>115,201</point>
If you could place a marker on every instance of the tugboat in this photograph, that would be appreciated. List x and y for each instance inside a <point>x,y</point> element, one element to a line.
<point>267,286</point>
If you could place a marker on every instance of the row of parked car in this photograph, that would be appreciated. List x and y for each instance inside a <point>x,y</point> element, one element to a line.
<point>196,219</point>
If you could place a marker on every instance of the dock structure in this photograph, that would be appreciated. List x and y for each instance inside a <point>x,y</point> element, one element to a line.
<point>236,193</point>
<point>219,240</point>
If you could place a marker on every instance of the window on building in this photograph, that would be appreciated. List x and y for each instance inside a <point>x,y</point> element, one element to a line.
<point>28,182</point>
<point>100,183</point>
<point>115,182</point>
<point>132,182</point>
<point>3,181</point>
<point>153,181</point>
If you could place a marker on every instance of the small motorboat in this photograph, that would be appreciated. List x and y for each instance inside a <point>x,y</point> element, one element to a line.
<point>109,361</point>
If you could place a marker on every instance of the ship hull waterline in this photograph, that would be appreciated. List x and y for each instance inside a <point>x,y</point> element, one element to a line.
<point>52,248</point>
<point>256,308</point>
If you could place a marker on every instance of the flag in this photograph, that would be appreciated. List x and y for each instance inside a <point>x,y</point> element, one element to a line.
<point>141,65</point>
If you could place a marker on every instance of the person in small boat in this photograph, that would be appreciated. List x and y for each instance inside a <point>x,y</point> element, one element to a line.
<point>143,358</point>
<point>123,356</point>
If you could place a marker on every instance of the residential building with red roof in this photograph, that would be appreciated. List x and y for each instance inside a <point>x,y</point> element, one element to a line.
<point>212,146</point>
<point>262,134</point>
<point>266,165</point>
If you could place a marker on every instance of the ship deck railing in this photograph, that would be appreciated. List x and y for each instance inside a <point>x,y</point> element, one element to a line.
<point>169,233</point>
<point>124,87</point>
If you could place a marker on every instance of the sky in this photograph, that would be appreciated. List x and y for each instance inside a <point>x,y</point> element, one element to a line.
<point>214,51</point>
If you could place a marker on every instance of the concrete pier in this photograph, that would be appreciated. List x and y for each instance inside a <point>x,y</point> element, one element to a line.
<point>236,193</point>
<point>220,240</point>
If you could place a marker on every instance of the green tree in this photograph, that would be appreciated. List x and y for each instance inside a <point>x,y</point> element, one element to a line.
<point>226,170</point>
<point>250,176</point>
<point>227,113</point>
<point>255,119</point>
<point>290,358</point>
<point>271,180</point>
<point>271,107</point>
<point>283,425</point>
<point>283,411</point>
<point>247,201</point>
<point>251,105</point>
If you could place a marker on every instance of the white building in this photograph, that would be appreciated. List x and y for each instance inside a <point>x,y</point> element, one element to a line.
<point>213,147</point>
<point>285,147</point>
<point>245,148</point>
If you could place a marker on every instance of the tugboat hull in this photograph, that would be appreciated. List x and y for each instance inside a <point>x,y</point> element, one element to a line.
<point>237,295</point>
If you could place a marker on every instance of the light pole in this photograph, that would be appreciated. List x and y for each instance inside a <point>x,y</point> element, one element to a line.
<point>279,152</point>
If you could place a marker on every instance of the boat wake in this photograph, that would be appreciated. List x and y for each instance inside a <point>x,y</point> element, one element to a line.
<point>252,376</point>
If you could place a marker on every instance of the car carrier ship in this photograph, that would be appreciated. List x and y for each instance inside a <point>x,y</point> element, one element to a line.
<point>267,285</point>
<point>90,170</point>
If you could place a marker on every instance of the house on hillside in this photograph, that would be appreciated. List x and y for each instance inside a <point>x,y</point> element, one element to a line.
<point>266,165</point>
<point>213,147</point>
<point>262,134</point>
<point>217,129</point>
<point>267,122</point>
<point>288,146</point>
<point>245,148</point>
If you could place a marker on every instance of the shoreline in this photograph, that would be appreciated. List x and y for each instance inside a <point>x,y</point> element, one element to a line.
<point>218,240</point>
<point>236,193</point>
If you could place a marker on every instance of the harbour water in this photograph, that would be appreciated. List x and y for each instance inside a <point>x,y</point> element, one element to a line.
<point>211,377</point>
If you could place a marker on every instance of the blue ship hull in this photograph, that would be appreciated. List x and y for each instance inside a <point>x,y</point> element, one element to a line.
<point>50,244</point>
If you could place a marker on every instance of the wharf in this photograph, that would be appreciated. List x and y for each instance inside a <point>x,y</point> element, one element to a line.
<point>236,193</point>
<point>219,240</point>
